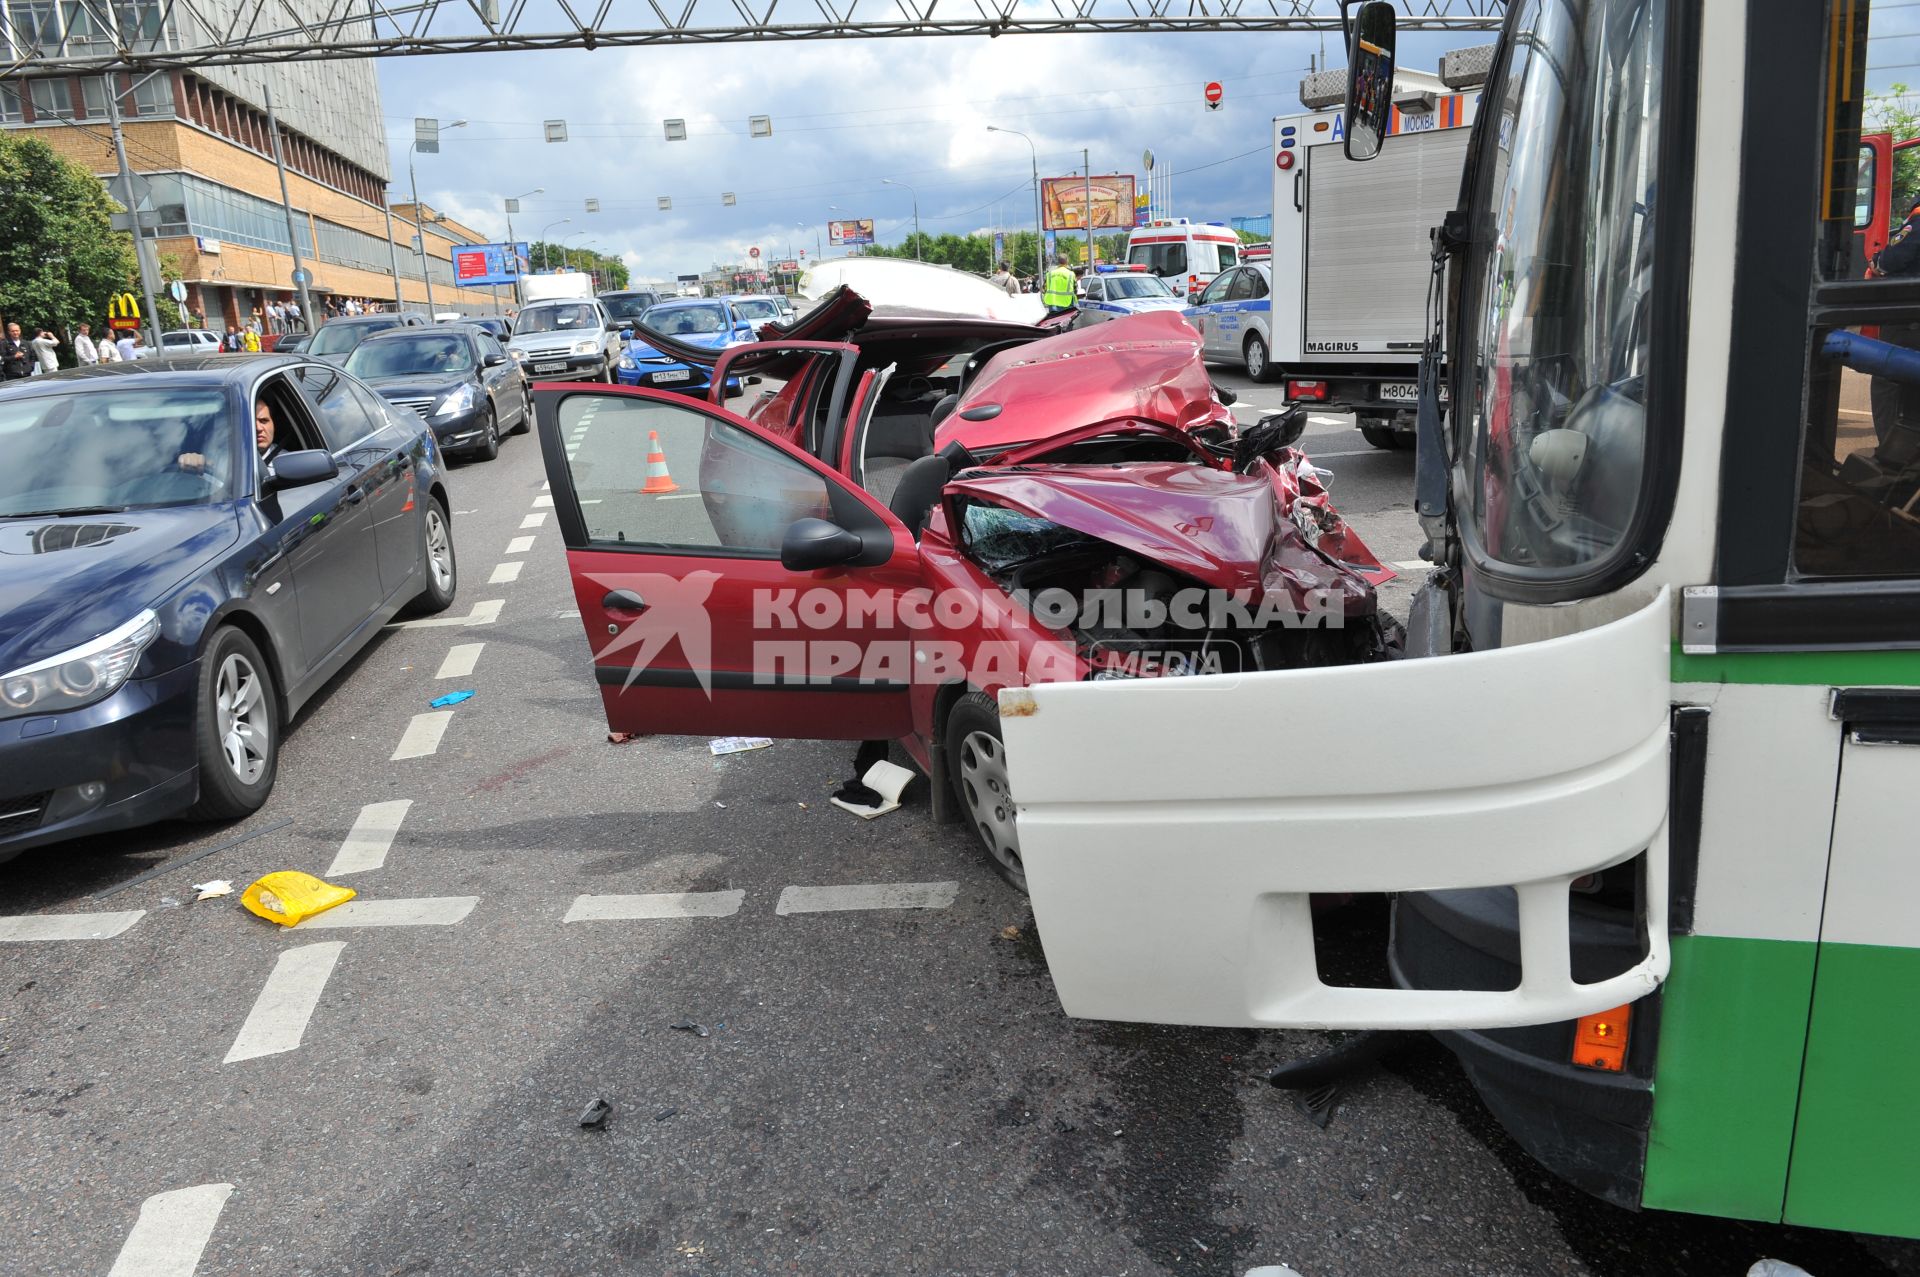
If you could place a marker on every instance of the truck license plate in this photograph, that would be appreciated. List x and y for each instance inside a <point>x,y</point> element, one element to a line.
<point>678,374</point>
<point>1406,391</point>
<point>561,367</point>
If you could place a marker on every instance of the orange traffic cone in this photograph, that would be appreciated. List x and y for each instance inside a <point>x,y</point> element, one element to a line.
<point>658,480</point>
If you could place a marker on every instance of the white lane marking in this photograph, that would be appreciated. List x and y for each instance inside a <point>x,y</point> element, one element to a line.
<point>590,500</point>
<point>172,1230</point>
<point>519,545</point>
<point>544,485</point>
<point>485,612</point>
<point>570,612</point>
<point>1410,565</point>
<point>532,521</point>
<point>460,660</point>
<point>279,1017</point>
<point>677,496</point>
<point>875,895</point>
<point>372,836</point>
<point>543,503</point>
<point>504,573</point>
<point>422,911</point>
<point>665,904</point>
<point>1357,452</point>
<point>67,926</point>
<point>423,734</point>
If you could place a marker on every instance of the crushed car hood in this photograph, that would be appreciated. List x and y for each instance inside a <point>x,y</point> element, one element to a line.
<point>1141,367</point>
<point>1227,531</point>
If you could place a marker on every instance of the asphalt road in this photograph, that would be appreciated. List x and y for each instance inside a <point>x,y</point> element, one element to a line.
<point>872,1089</point>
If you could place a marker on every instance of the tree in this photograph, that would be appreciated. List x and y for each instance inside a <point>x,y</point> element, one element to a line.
<point>612,271</point>
<point>60,259</point>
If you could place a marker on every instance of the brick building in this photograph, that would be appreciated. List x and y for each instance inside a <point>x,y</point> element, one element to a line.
<point>205,188</point>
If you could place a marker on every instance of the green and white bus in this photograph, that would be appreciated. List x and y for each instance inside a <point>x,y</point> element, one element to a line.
<point>1640,792</point>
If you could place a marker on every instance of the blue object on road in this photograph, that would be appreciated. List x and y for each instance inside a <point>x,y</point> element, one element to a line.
<point>451,698</point>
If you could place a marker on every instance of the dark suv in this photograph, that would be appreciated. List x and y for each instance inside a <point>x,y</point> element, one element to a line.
<point>625,306</point>
<point>337,337</point>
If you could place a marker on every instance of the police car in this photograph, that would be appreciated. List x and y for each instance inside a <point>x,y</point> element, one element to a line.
<point>1234,315</point>
<point>1115,291</point>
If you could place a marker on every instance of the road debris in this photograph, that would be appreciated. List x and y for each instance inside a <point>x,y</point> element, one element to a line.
<point>208,890</point>
<point>595,1115</point>
<point>698,1030</point>
<point>289,896</point>
<point>1009,933</point>
<point>619,738</point>
<point>1777,1268</point>
<point>451,698</point>
<point>664,1114</point>
<point>738,744</point>
<point>876,793</point>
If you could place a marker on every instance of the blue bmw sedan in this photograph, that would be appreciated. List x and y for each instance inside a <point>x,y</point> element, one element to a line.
<point>703,323</point>
<point>189,549</point>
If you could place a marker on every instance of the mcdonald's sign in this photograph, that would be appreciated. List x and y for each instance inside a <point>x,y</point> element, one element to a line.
<point>123,312</point>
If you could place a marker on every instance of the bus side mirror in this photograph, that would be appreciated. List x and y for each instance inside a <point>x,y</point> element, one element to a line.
<point>1370,79</point>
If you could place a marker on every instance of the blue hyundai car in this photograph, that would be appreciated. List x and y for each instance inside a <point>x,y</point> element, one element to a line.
<point>650,357</point>
<point>189,550</point>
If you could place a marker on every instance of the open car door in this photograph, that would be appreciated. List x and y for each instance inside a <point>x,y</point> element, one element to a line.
<point>709,612</point>
<point>818,377</point>
<point>1174,829</point>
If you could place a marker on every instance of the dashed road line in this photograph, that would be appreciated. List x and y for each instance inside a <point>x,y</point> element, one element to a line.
<point>279,1017</point>
<point>485,612</point>
<point>421,911</point>
<point>544,485</point>
<point>372,836</point>
<point>423,734</point>
<point>460,660</point>
<point>519,545</point>
<point>676,496</point>
<point>543,502</point>
<point>171,1232</point>
<point>568,614</point>
<point>506,573</point>
<point>1410,565</point>
<point>532,521</point>
<point>669,904</point>
<point>67,926</point>
<point>876,895</point>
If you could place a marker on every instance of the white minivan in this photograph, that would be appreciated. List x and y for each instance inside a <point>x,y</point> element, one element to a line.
<point>1184,253</point>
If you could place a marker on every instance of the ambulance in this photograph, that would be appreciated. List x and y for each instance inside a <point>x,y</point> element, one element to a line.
<point>1186,254</point>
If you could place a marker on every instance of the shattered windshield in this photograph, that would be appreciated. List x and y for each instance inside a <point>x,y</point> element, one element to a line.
<point>1000,540</point>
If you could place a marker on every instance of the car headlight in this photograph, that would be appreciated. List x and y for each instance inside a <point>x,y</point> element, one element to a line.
<point>585,347</point>
<point>90,672</point>
<point>517,353</point>
<point>458,400</point>
<point>627,364</point>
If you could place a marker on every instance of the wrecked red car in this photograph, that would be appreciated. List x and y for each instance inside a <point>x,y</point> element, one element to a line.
<point>826,572</point>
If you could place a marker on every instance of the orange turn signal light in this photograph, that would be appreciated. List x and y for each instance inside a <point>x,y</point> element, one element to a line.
<point>1600,1041</point>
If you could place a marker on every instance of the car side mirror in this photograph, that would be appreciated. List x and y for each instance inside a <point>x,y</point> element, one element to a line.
<point>816,543</point>
<point>297,469</point>
<point>626,334</point>
<point>494,361</point>
<point>1370,79</point>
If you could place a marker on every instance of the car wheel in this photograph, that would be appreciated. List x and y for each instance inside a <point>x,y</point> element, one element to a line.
<point>489,446</point>
<point>1383,437</point>
<point>436,556</point>
<point>525,423</point>
<point>1258,367</point>
<point>236,728</point>
<point>977,761</point>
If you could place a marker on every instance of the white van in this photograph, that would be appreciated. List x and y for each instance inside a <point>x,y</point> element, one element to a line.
<point>1184,253</point>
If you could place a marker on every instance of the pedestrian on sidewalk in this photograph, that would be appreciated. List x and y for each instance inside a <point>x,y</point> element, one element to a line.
<point>1003,279</point>
<point>109,353</point>
<point>83,348</point>
<point>16,361</point>
<point>250,342</point>
<point>128,350</point>
<point>231,342</point>
<point>44,343</point>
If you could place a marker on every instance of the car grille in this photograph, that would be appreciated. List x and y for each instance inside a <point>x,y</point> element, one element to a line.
<point>419,406</point>
<point>17,815</point>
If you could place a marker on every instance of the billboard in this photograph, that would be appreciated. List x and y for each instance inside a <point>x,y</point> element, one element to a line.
<point>853,231</point>
<point>481,265</point>
<point>1063,202</point>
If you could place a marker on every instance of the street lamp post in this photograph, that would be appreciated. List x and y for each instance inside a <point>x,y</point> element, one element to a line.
<point>419,222</point>
<point>565,221</point>
<point>538,190</point>
<point>887,181</point>
<point>1039,238</point>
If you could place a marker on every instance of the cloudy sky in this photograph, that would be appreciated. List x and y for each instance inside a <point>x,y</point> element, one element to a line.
<point>845,115</point>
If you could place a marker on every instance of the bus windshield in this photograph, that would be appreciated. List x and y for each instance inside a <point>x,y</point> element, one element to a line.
<point>1554,429</point>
